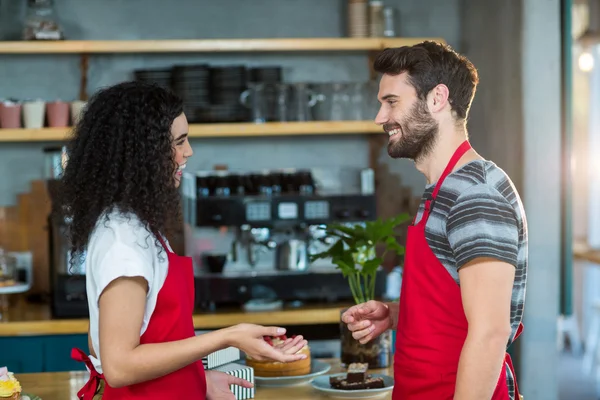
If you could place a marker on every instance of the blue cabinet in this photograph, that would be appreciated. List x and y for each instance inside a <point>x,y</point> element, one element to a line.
<point>41,353</point>
<point>22,354</point>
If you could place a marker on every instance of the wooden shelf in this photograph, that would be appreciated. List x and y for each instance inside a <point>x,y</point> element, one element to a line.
<point>219,130</point>
<point>204,45</point>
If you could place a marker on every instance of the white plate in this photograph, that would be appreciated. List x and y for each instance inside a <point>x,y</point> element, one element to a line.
<point>322,385</point>
<point>316,368</point>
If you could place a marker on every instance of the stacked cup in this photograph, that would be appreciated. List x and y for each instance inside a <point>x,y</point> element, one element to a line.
<point>10,114</point>
<point>358,18</point>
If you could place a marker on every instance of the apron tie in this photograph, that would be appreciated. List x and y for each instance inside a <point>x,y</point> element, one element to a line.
<point>88,391</point>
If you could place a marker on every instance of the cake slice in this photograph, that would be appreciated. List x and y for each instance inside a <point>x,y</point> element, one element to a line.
<point>356,378</point>
<point>369,383</point>
<point>357,372</point>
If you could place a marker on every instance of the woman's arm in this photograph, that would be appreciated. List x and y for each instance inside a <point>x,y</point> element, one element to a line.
<point>125,361</point>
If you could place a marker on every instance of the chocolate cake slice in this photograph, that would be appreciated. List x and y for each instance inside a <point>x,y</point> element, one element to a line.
<point>336,381</point>
<point>369,383</point>
<point>357,372</point>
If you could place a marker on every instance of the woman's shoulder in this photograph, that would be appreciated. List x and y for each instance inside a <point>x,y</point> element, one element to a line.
<point>118,229</point>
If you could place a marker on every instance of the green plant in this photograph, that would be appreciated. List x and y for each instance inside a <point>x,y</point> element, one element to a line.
<point>354,252</point>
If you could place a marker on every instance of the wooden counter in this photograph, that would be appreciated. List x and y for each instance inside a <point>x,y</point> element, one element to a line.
<point>29,320</point>
<point>64,386</point>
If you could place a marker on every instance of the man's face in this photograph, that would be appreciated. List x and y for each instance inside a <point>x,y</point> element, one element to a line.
<point>405,118</point>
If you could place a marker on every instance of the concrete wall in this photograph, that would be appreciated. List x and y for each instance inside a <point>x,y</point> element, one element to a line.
<point>516,122</point>
<point>51,77</point>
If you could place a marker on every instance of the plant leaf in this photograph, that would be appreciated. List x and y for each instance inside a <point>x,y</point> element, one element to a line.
<point>370,266</point>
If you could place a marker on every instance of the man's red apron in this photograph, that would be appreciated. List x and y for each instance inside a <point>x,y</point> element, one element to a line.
<point>170,321</point>
<point>432,326</point>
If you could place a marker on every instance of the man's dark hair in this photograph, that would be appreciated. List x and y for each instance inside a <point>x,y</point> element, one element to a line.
<point>121,158</point>
<point>429,64</point>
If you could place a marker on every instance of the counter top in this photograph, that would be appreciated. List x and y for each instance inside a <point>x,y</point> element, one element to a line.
<point>64,386</point>
<point>34,319</point>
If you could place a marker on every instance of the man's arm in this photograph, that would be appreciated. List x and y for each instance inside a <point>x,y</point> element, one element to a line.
<point>483,232</point>
<point>486,288</point>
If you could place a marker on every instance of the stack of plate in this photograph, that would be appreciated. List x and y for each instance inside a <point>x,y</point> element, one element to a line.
<point>192,84</point>
<point>226,86</point>
<point>266,74</point>
<point>160,77</point>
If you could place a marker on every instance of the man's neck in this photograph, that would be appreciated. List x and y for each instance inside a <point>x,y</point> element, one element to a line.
<point>433,165</point>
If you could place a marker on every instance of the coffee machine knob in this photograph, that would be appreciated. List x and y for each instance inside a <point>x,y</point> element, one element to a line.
<point>242,289</point>
<point>343,214</point>
<point>363,213</point>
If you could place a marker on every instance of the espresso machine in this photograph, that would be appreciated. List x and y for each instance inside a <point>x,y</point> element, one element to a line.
<point>250,234</point>
<point>67,281</point>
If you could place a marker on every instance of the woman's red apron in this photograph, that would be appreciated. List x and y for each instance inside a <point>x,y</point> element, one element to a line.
<point>432,326</point>
<point>170,321</point>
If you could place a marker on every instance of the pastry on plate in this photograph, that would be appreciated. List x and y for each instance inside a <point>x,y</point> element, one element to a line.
<point>10,388</point>
<point>272,369</point>
<point>356,379</point>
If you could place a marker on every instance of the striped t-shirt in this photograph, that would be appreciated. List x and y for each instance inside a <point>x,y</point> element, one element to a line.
<point>478,213</point>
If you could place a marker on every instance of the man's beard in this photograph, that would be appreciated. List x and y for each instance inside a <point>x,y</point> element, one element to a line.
<point>419,133</point>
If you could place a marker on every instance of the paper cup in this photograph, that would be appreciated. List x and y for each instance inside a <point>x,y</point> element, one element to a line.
<point>33,114</point>
<point>10,115</point>
<point>58,113</point>
<point>76,109</point>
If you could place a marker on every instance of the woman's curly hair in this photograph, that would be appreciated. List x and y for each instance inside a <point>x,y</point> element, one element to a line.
<point>120,158</point>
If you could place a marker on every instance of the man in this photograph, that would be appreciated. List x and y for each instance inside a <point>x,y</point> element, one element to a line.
<point>465,268</point>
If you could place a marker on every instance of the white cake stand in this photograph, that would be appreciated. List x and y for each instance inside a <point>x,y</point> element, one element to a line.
<point>19,287</point>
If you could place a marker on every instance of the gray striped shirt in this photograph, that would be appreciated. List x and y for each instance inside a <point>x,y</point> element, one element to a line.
<point>478,213</point>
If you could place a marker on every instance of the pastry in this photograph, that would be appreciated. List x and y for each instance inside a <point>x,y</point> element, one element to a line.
<point>356,379</point>
<point>10,388</point>
<point>269,368</point>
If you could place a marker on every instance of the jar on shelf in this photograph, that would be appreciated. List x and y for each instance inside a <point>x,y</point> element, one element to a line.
<point>358,18</point>
<point>376,25</point>
<point>41,22</point>
<point>389,24</point>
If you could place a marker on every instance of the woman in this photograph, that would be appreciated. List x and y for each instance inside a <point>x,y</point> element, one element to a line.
<point>119,189</point>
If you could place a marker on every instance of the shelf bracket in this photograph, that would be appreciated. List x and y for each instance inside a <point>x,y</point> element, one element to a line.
<point>84,66</point>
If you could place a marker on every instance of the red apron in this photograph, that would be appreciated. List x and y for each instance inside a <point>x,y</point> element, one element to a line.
<point>432,326</point>
<point>170,321</point>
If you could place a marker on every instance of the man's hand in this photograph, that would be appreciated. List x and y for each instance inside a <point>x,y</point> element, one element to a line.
<point>218,385</point>
<point>486,288</point>
<point>368,320</point>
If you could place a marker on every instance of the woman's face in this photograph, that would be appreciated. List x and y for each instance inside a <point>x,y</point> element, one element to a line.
<point>181,145</point>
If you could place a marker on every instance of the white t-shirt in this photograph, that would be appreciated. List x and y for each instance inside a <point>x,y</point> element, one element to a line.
<point>121,247</point>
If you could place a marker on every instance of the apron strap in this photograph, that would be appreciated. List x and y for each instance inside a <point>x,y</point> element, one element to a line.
<point>508,360</point>
<point>88,391</point>
<point>460,151</point>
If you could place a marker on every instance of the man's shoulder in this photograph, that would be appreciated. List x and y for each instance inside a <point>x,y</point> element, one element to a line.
<point>480,179</point>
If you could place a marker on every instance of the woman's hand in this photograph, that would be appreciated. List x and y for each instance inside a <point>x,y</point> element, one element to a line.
<point>249,339</point>
<point>218,385</point>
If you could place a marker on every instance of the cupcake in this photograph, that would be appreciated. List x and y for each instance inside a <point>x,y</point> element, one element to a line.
<point>10,388</point>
